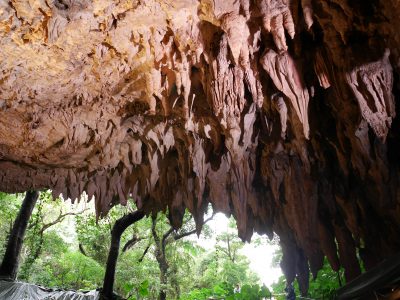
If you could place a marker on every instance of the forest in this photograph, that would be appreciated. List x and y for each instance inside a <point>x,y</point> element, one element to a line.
<point>67,247</point>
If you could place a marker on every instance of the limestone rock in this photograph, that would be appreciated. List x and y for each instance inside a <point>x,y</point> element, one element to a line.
<point>183,103</point>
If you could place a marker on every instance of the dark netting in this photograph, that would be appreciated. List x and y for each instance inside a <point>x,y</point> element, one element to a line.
<point>12,290</point>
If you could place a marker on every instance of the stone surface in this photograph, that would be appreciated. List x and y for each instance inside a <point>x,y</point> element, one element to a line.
<point>280,112</point>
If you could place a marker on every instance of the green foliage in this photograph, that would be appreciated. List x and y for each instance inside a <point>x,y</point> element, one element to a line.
<point>135,293</point>
<point>95,235</point>
<point>71,270</point>
<point>218,291</point>
<point>144,288</point>
<point>219,271</point>
<point>198,294</point>
<point>72,253</point>
<point>326,283</point>
<point>35,235</point>
<point>10,205</point>
<point>224,291</point>
<point>251,292</point>
<point>324,286</point>
<point>131,275</point>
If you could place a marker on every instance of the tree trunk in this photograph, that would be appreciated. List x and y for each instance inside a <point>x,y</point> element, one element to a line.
<point>162,263</point>
<point>175,283</point>
<point>160,257</point>
<point>119,227</point>
<point>9,266</point>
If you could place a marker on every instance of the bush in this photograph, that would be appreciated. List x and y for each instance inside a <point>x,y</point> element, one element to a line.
<point>71,270</point>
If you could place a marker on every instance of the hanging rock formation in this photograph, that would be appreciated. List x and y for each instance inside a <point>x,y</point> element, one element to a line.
<point>280,112</point>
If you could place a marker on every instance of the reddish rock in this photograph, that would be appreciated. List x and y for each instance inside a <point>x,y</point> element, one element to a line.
<point>282,113</point>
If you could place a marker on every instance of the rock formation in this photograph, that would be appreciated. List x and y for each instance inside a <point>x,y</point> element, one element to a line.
<point>280,112</point>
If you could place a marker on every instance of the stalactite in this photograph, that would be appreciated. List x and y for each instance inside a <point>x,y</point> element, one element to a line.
<point>286,77</point>
<point>372,85</point>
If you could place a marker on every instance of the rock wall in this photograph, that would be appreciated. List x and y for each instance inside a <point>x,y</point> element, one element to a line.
<point>280,112</point>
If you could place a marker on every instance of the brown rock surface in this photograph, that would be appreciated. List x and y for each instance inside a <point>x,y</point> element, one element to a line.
<point>280,112</point>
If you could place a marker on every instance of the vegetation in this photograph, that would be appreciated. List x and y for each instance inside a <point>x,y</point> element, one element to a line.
<point>65,246</point>
<point>324,286</point>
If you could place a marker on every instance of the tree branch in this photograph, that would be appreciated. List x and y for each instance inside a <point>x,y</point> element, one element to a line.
<point>59,219</point>
<point>153,229</point>
<point>129,244</point>
<point>225,251</point>
<point>185,234</point>
<point>165,236</point>
<point>229,250</point>
<point>144,253</point>
<point>82,250</point>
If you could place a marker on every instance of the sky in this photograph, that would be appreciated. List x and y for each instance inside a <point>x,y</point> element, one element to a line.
<point>260,257</point>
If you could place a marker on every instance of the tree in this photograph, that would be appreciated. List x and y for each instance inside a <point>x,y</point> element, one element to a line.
<point>161,241</point>
<point>229,244</point>
<point>9,208</point>
<point>235,266</point>
<point>223,268</point>
<point>48,213</point>
<point>67,269</point>
<point>118,229</point>
<point>94,241</point>
<point>59,253</point>
<point>10,263</point>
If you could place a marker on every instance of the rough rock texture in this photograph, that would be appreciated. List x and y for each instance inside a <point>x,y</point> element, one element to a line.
<point>280,112</point>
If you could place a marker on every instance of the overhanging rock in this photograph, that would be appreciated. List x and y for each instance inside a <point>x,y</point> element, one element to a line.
<point>282,113</point>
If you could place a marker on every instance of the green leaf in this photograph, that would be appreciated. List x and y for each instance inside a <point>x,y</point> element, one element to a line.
<point>144,288</point>
<point>128,287</point>
<point>264,292</point>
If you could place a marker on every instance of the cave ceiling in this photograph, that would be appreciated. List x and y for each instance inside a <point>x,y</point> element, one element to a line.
<point>282,113</point>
